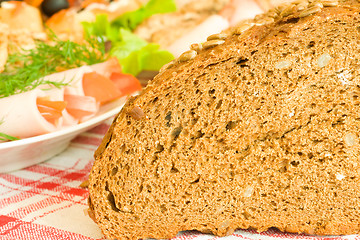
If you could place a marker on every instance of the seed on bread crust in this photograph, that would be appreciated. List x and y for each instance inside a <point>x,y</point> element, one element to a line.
<point>287,11</point>
<point>212,43</point>
<point>265,20</point>
<point>217,36</point>
<point>167,66</point>
<point>137,113</point>
<point>196,47</point>
<point>243,27</point>
<point>330,3</point>
<point>310,11</point>
<point>188,55</point>
<point>313,4</point>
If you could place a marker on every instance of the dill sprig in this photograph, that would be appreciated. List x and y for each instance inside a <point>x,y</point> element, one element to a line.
<point>25,70</point>
<point>5,137</point>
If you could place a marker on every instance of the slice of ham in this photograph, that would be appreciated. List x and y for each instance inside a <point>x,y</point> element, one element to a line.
<point>21,118</point>
<point>74,78</point>
<point>108,67</point>
<point>20,115</point>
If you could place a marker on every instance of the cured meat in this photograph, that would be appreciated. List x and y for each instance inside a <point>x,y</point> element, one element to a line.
<point>48,108</point>
<point>20,111</point>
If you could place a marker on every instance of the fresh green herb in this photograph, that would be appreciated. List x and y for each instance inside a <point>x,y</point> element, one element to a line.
<point>5,137</point>
<point>134,53</point>
<point>25,71</point>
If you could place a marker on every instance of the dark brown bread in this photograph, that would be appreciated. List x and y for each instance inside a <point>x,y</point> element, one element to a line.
<point>258,130</point>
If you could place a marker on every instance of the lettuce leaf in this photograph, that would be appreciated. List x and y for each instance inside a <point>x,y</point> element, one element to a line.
<point>134,53</point>
<point>149,57</point>
<point>131,20</point>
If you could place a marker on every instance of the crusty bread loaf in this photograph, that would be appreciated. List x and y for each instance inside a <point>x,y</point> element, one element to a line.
<point>256,129</point>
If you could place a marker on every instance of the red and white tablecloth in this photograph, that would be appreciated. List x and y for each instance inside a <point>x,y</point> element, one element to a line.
<point>45,202</point>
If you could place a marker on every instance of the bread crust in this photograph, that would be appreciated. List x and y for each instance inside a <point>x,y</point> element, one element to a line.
<point>260,130</point>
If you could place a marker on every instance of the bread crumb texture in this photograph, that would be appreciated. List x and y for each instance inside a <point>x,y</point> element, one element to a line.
<point>260,131</point>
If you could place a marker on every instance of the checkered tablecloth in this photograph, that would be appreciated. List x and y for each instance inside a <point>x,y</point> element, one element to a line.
<point>45,202</point>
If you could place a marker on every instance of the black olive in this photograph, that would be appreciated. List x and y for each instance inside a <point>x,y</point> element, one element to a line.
<point>49,7</point>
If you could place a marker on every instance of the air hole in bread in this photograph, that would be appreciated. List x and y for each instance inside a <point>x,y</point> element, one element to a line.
<point>196,180</point>
<point>154,159</point>
<point>198,134</point>
<point>173,168</point>
<point>242,62</point>
<point>176,132</point>
<point>231,125</point>
<point>114,171</point>
<point>292,20</point>
<point>111,199</point>
<point>194,121</point>
<point>295,163</point>
<point>159,148</point>
<point>218,105</point>
<point>311,44</point>
<point>246,215</point>
<point>211,91</point>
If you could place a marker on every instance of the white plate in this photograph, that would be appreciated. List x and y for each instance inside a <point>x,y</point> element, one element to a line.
<point>29,151</point>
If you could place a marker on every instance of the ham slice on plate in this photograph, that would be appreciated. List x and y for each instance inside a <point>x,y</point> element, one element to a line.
<point>47,108</point>
<point>20,116</point>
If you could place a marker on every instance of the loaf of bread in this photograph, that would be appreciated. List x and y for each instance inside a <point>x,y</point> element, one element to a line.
<point>256,128</point>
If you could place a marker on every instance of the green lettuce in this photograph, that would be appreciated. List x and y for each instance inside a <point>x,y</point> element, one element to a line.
<point>131,20</point>
<point>134,53</point>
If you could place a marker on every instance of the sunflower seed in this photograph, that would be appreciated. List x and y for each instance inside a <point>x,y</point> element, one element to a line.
<point>324,60</point>
<point>271,13</point>
<point>265,20</point>
<point>297,2</point>
<point>167,66</point>
<point>259,17</point>
<point>196,47</point>
<point>330,3</point>
<point>350,139</point>
<point>243,27</point>
<point>281,7</point>
<point>301,4</point>
<point>282,64</point>
<point>309,11</point>
<point>317,3</point>
<point>188,55</point>
<point>287,11</point>
<point>137,113</point>
<point>217,36</point>
<point>212,43</point>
